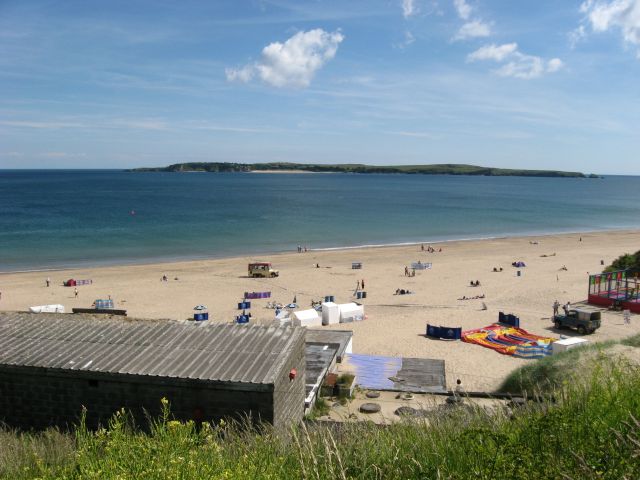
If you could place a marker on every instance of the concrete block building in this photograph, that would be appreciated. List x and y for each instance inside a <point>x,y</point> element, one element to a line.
<point>53,365</point>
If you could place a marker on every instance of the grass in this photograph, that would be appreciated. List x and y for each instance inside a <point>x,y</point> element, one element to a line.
<point>320,408</point>
<point>551,372</point>
<point>590,431</point>
<point>633,341</point>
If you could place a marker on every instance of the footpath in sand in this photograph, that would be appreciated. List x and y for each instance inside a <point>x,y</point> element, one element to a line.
<point>395,324</point>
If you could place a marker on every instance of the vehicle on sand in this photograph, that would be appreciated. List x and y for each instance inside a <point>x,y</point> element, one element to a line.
<point>584,321</point>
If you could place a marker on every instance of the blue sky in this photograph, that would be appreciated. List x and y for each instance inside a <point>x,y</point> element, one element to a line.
<point>528,84</point>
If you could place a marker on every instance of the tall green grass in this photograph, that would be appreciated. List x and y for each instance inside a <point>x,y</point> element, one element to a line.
<point>590,431</point>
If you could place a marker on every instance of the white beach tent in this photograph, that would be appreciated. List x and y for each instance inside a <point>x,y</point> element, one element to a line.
<point>47,309</point>
<point>330,313</point>
<point>307,318</point>
<point>351,312</point>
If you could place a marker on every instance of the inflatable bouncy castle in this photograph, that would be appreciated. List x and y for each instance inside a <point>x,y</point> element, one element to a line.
<point>509,340</point>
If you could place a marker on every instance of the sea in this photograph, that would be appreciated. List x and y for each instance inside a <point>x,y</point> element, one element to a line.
<point>51,219</point>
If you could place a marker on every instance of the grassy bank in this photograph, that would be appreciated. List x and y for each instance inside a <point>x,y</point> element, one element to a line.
<point>552,372</point>
<point>591,431</point>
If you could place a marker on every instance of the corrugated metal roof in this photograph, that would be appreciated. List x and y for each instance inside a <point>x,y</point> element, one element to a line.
<point>226,353</point>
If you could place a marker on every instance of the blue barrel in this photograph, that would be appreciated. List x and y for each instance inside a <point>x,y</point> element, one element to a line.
<point>358,294</point>
<point>198,317</point>
<point>519,273</point>
<point>364,294</point>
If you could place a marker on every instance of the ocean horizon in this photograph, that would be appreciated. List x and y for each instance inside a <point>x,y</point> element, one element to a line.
<point>56,219</point>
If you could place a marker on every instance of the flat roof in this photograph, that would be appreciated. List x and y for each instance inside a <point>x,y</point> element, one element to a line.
<point>218,352</point>
<point>339,339</point>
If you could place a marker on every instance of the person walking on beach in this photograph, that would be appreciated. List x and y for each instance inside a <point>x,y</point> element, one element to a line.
<point>406,271</point>
<point>48,281</point>
<point>556,307</point>
<point>75,292</point>
<point>362,283</point>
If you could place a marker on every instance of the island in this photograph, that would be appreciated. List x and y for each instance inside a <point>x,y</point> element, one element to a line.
<point>435,169</point>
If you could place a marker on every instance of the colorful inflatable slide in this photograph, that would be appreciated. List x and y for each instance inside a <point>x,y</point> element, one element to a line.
<point>509,340</point>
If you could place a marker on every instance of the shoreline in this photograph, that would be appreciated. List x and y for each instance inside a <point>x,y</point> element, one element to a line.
<point>81,264</point>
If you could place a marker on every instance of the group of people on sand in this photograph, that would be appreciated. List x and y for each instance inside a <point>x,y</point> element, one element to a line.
<point>477,297</point>
<point>497,269</point>
<point>409,273</point>
<point>403,291</point>
<point>302,249</point>
<point>429,248</point>
<point>474,283</point>
<point>556,308</point>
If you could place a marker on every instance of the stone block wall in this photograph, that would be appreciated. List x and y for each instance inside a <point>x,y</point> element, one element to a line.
<point>36,398</point>
<point>288,395</point>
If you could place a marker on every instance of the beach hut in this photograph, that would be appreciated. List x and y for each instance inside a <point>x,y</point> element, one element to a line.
<point>330,313</point>
<point>307,318</point>
<point>351,312</point>
<point>207,371</point>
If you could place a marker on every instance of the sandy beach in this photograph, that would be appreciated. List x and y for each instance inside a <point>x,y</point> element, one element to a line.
<point>395,324</point>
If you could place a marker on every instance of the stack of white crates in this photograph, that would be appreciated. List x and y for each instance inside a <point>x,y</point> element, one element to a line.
<point>330,313</point>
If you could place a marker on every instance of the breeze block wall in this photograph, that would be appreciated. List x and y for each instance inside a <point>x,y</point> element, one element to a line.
<point>288,395</point>
<point>37,398</point>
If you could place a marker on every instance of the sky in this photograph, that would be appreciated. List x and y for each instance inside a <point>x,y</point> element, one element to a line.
<point>540,84</point>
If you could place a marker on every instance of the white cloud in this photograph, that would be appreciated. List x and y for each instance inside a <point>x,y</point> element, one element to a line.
<point>576,36</point>
<point>413,134</point>
<point>292,63</point>
<point>493,52</point>
<point>243,75</point>
<point>522,66</point>
<point>409,38</point>
<point>463,8</point>
<point>621,14</point>
<point>473,29</point>
<point>554,65</point>
<point>519,65</point>
<point>409,8</point>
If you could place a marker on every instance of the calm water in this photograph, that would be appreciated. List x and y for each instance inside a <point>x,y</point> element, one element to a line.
<point>52,219</point>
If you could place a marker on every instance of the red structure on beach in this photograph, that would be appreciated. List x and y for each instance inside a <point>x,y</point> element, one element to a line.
<point>619,289</point>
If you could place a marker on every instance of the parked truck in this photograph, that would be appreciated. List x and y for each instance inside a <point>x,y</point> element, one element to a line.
<point>262,269</point>
<point>584,321</point>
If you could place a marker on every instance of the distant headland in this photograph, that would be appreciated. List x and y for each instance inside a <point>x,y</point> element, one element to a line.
<point>436,169</point>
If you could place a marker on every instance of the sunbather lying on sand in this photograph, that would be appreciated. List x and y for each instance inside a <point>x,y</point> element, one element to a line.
<point>403,291</point>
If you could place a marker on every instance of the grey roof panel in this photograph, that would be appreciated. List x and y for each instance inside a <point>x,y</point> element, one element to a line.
<point>230,353</point>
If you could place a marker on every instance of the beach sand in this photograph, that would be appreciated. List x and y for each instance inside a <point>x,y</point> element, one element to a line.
<point>395,324</point>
